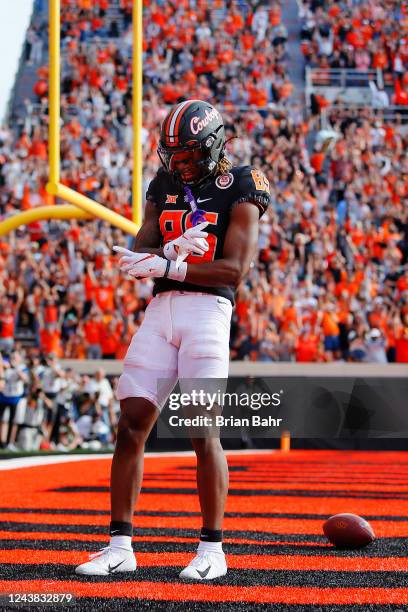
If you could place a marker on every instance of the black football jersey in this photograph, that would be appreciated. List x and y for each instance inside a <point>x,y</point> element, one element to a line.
<point>216,197</point>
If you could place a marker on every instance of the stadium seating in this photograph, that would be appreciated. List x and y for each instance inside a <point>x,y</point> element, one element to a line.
<point>333,246</point>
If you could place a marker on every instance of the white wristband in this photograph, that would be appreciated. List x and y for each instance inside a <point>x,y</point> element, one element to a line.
<point>177,274</point>
<point>169,251</point>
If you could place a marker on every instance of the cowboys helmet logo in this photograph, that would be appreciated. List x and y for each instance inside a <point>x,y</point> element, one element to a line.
<point>196,127</point>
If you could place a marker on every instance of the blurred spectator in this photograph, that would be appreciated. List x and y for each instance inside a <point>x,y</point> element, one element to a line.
<point>92,327</point>
<point>357,35</point>
<point>357,351</point>
<point>103,389</point>
<point>69,436</point>
<point>64,401</point>
<point>401,342</point>
<point>307,345</point>
<point>83,413</point>
<point>110,340</point>
<point>52,377</point>
<point>401,91</point>
<point>32,430</point>
<point>379,97</point>
<point>92,429</point>
<point>12,400</point>
<point>7,327</point>
<point>375,347</point>
<point>336,234</point>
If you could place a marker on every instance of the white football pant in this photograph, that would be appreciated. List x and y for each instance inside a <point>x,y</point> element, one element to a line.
<point>183,335</point>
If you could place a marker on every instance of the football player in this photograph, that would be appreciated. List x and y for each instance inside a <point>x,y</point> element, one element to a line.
<point>185,331</point>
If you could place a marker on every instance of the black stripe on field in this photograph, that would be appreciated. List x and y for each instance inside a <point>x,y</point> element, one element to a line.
<point>385,547</point>
<point>278,474</point>
<point>234,577</point>
<point>257,477</point>
<point>261,536</point>
<point>342,471</point>
<point>251,492</point>
<point>338,469</point>
<point>169,513</point>
<point>294,481</point>
<point>91,604</point>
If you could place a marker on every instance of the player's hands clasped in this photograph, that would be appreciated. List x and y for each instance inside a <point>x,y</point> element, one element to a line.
<point>141,265</point>
<point>192,241</point>
<point>148,265</point>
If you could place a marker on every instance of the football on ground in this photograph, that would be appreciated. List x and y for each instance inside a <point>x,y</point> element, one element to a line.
<point>348,531</point>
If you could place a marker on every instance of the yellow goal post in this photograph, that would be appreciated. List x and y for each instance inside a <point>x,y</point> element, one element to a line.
<point>81,206</point>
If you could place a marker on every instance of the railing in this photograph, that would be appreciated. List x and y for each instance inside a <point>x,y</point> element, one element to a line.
<point>389,114</point>
<point>342,77</point>
<point>336,81</point>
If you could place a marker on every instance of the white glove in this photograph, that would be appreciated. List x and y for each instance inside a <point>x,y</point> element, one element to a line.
<point>147,265</point>
<point>192,241</point>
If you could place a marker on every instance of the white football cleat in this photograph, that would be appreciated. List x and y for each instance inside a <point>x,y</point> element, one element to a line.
<point>108,561</point>
<point>205,566</point>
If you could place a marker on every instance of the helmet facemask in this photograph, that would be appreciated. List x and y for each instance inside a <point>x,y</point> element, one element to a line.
<point>185,164</point>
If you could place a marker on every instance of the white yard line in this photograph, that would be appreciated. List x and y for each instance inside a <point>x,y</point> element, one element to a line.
<point>23,462</point>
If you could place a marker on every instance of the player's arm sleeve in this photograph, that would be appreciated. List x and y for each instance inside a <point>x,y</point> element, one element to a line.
<point>152,191</point>
<point>155,188</point>
<point>253,187</point>
<point>149,238</point>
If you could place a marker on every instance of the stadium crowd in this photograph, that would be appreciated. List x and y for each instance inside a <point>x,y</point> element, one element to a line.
<point>44,406</point>
<point>359,35</point>
<point>332,279</point>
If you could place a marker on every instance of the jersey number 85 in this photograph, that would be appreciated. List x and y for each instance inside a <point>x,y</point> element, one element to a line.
<point>173,223</point>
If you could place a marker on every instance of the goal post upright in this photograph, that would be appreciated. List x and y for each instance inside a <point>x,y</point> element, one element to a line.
<point>54,103</point>
<point>137,102</point>
<point>84,207</point>
<point>54,186</point>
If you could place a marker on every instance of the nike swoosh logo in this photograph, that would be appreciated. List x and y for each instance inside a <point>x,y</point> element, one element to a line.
<point>205,572</point>
<point>199,201</point>
<point>112,568</point>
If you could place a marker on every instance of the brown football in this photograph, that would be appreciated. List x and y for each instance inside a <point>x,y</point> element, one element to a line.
<point>348,531</point>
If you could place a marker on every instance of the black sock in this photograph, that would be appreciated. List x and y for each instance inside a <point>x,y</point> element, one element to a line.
<point>210,535</point>
<point>120,528</point>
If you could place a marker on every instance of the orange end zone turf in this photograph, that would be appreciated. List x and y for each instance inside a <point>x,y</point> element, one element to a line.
<point>52,516</point>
